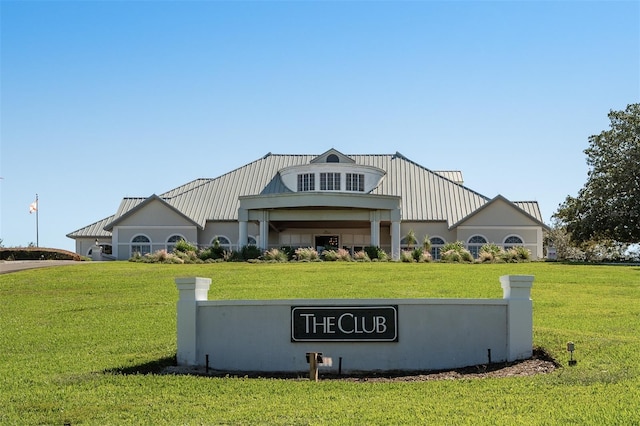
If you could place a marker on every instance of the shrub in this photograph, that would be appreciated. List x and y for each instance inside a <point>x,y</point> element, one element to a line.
<point>417,254</point>
<point>455,252</point>
<point>36,253</point>
<point>329,255</point>
<point>406,256</point>
<point>160,256</point>
<point>188,256</point>
<point>250,252</point>
<point>275,255</point>
<point>184,247</point>
<point>288,251</point>
<point>344,255</point>
<point>523,253</point>
<point>410,239</point>
<point>361,256</point>
<point>426,243</point>
<point>425,256</point>
<point>375,252</point>
<point>214,252</point>
<point>306,254</point>
<point>486,257</point>
<point>510,255</point>
<point>232,256</point>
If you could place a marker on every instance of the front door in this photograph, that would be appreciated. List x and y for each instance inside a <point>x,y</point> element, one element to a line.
<point>326,242</point>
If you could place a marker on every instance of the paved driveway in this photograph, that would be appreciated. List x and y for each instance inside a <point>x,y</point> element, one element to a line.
<point>21,265</point>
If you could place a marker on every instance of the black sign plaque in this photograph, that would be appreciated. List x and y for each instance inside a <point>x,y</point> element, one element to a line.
<point>344,323</point>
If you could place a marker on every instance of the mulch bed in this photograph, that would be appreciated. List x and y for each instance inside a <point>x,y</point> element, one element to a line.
<point>540,363</point>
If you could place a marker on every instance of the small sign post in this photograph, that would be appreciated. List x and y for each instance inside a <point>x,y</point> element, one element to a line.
<point>314,358</point>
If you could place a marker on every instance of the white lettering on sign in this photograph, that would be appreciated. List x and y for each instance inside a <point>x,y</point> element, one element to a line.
<point>344,323</point>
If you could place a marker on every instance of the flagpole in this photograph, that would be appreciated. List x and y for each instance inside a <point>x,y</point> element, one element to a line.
<point>37,211</point>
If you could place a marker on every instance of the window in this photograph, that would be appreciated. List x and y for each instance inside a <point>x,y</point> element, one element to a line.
<point>436,247</point>
<point>252,241</point>
<point>512,241</point>
<point>306,182</point>
<point>172,240</point>
<point>223,241</point>
<point>329,181</point>
<point>475,243</point>
<point>355,182</point>
<point>140,244</point>
<point>332,158</point>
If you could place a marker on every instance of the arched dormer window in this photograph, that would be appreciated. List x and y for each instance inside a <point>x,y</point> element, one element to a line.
<point>332,158</point>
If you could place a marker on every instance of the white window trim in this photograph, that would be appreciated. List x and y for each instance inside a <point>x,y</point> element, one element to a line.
<point>132,243</point>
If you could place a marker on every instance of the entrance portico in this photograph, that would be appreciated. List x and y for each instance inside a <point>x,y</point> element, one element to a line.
<point>329,211</point>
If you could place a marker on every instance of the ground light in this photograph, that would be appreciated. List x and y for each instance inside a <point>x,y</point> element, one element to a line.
<point>570,348</point>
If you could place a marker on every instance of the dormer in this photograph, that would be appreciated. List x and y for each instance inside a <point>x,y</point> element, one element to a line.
<point>332,172</point>
<point>333,156</point>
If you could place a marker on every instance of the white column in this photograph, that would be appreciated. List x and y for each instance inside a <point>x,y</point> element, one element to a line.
<point>395,240</point>
<point>264,230</point>
<point>191,290</point>
<point>517,290</point>
<point>375,228</point>
<point>115,243</point>
<point>243,238</point>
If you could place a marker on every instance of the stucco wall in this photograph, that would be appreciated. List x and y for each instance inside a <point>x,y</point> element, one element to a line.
<point>256,335</point>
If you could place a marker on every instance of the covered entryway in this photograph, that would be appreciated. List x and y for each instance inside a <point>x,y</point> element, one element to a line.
<point>279,212</point>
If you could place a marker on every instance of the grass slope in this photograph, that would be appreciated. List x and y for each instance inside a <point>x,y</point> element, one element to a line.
<point>80,345</point>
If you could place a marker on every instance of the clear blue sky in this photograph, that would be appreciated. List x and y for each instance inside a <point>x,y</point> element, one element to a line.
<point>102,100</point>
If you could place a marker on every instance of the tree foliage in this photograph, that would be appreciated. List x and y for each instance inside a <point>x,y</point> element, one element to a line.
<point>608,206</point>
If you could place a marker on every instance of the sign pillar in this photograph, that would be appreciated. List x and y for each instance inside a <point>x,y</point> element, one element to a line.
<point>191,291</point>
<point>517,290</point>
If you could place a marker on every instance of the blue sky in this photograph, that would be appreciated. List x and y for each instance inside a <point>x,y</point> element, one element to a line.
<point>106,99</point>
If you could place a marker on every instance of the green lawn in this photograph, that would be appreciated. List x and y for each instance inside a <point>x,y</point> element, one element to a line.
<point>80,344</point>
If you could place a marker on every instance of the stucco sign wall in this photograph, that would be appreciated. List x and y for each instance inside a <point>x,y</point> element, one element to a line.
<point>365,334</point>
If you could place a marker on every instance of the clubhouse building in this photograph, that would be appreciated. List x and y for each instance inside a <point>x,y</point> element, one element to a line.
<point>326,200</point>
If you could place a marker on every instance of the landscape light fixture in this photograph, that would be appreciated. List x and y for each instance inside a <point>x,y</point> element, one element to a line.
<point>570,348</point>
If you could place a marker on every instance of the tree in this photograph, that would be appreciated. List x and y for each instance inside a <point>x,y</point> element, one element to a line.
<point>410,239</point>
<point>608,206</point>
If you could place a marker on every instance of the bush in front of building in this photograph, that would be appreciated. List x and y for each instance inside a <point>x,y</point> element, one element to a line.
<point>341,255</point>
<point>307,254</point>
<point>275,255</point>
<point>375,253</point>
<point>160,256</point>
<point>492,253</point>
<point>361,256</point>
<point>250,252</point>
<point>406,256</point>
<point>455,252</point>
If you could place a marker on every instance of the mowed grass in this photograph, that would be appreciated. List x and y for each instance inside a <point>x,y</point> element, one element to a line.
<point>83,344</point>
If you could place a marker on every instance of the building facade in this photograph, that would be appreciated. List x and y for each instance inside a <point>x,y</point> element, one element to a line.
<point>329,200</point>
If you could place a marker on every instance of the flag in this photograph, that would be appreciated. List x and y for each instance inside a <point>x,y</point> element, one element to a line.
<point>33,207</point>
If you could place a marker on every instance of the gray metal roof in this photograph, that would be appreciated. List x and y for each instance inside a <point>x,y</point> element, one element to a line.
<point>426,195</point>
<point>94,230</point>
<point>531,208</point>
